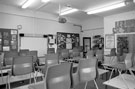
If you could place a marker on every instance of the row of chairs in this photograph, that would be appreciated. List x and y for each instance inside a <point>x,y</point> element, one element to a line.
<point>60,76</point>
<point>7,57</point>
<point>65,53</point>
<point>20,63</point>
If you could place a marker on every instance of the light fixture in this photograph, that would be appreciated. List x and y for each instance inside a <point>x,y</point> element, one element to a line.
<point>45,1</point>
<point>106,8</point>
<point>27,3</point>
<point>68,10</point>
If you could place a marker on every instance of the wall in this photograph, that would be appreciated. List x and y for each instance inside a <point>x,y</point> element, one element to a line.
<point>109,22</point>
<point>34,22</point>
<point>91,27</point>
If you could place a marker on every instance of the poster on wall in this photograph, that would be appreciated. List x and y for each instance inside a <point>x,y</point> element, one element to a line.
<point>67,40</point>
<point>8,39</point>
<point>124,26</point>
<point>109,41</point>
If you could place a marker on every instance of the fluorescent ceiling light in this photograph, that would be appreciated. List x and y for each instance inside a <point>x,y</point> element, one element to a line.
<point>45,1</point>
<point>102,9</point>
<point>27,3</point>
<point>68,11</point>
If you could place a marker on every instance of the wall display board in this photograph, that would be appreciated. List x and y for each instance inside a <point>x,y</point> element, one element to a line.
<point>109,41</point>
<point>67,40</point>
<point>98,42</point>
<point>124,26</point>
<point>52,42</point>
<point>34,43</point>
<point>8,39</point>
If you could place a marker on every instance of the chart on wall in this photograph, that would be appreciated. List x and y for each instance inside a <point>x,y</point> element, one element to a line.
<point>67,40</point>
<point>8,40</point>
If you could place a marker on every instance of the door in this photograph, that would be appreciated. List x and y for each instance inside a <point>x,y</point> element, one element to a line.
<point>86,45</point>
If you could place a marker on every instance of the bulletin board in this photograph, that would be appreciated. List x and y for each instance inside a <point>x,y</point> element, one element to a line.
<point>8,39</point>
<point>67,40</point>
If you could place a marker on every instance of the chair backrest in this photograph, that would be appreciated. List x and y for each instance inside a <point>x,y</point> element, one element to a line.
<point>51,59</point>
<point>113,52</point>
<point>8,57</point>
<point>34,55</point>
<point>22,65</point>
<point>90,54</point>
<point>87,69</point>
<point>59,76</point>
<point>23,52</point>
<point>50,50</point>
<point>64,53</point>
<point>76,52</point>
<point>128,60</point>
<point>1,58</point>
<point>100,55</point>
<point>133,60</point>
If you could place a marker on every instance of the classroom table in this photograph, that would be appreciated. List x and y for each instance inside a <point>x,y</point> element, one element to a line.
<point>118,82</point>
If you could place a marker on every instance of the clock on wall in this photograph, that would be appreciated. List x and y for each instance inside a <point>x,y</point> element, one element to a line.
<point>19,27</point>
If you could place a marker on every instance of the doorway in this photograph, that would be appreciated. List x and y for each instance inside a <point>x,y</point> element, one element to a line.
<point>86,45</point>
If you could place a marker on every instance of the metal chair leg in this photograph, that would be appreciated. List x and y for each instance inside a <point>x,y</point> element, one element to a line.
<point>8,81</point>
<point>111,73</point>
<point>123,79</point>
<point>96,84</point>
<point>34,77</point>
<point>132,73</point>
<point>86,85</point>
<point>30,78</point>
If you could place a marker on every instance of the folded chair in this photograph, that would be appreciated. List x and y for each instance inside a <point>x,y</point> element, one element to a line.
<point>88,70</point>
<point>21,65</point>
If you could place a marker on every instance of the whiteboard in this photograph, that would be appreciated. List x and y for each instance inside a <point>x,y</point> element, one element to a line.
<point>33,43</point>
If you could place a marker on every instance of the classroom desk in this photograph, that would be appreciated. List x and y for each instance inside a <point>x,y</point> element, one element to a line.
<point>17,78</point>
<point>118,82</point>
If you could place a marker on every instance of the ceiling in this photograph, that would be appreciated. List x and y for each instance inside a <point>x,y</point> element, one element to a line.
<point>83,5</point>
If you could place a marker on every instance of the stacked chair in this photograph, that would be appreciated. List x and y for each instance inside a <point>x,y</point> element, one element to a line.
<point>21,65</point>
